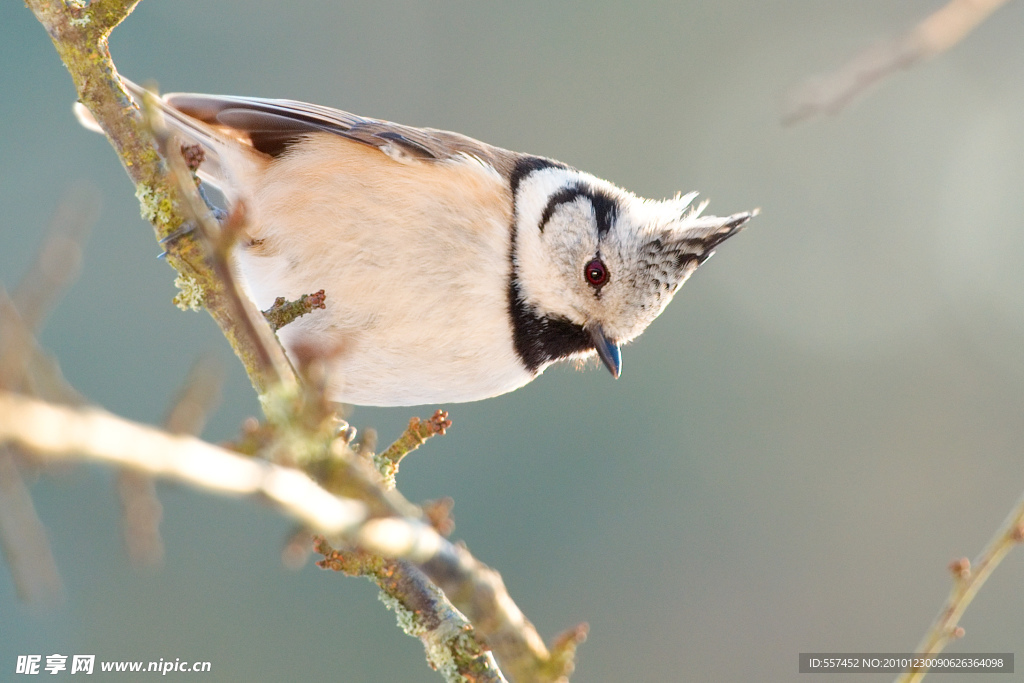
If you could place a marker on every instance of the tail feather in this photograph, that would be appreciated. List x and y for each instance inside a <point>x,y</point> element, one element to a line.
<point>85,118</point>
<point>217,142</point>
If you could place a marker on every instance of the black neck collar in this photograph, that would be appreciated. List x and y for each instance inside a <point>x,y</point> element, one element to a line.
<point>538,339</point>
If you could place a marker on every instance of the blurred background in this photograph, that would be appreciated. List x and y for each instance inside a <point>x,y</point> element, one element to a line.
<point>826,416</point>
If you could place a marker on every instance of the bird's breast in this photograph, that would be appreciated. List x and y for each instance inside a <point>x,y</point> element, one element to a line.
<point>414,260</point>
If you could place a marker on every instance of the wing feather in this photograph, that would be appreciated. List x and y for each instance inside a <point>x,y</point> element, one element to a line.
<point>273,125</point>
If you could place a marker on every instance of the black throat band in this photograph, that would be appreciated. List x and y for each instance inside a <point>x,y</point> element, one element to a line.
<point>537,339</point>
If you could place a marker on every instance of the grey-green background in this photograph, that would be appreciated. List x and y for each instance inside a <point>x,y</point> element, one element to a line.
<point>827,415</point>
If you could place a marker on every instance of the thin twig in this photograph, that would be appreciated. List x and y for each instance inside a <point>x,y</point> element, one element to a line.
<point>414,436</point>
<point>937,33</point>
<point>217,240</point>
<point>967,581</point>
<point>284,312</point>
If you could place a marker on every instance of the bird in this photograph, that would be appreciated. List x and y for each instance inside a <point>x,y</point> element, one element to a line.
<point>454,270</point>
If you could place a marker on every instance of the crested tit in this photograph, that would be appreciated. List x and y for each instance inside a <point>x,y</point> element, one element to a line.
<point>454,270</point>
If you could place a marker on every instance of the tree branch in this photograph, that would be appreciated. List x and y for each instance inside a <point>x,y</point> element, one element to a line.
<point>423,612</point>
<point>79,31</point>
<point>53,431</point>
<point>62,431</point>
<point>938,32</point>
<point>967,581</point>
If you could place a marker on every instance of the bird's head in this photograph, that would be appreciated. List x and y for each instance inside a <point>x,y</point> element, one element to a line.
<point>593,264</point>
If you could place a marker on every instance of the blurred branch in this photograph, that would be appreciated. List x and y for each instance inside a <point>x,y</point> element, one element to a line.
<point>25,368</point>
<point>59,259</point>
<point>22,535</point>
<point>197,398</point>
<point>141,511</point>
<point>59,431</point>
<point>940,31</point>
<point>23,539</point>
<point>967,581</point>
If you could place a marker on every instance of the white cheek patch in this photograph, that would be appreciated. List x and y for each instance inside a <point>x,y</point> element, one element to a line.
<point>536,189</point>
<point>545,262</point>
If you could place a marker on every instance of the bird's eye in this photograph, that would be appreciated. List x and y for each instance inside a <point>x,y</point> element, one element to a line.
<point>596,273</point>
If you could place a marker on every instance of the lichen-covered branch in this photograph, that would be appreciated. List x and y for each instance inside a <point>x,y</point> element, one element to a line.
<point>423,612</point>
<point>475,589</point>
<point>217,239</point>
<point>284,311</point>
<point>79,31</point>
<point>478,591</point>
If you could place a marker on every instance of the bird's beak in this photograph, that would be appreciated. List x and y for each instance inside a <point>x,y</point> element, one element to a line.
<point>607,350</point>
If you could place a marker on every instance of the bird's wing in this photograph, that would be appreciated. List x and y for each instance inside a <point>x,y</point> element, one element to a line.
<point>272,125</point>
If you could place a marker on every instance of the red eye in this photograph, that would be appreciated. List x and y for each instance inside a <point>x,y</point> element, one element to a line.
<point>596,273</point>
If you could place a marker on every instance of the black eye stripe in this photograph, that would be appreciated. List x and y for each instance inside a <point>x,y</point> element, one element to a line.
<point>607,210</point>
<point>563,196</point>
<point>528,165</point>
<point>605,207</point>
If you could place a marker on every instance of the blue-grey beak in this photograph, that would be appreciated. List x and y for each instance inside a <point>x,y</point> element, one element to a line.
<point>607,350</point>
